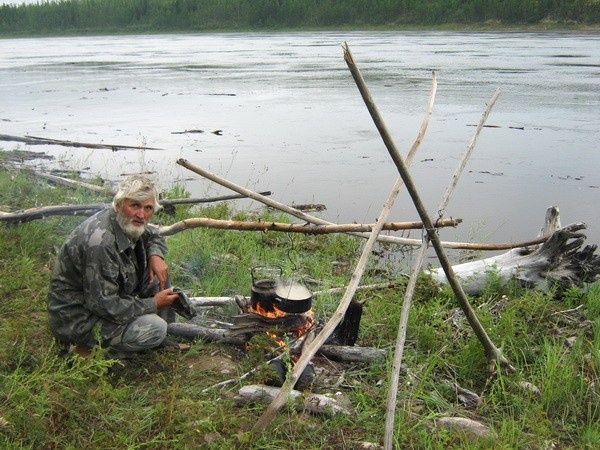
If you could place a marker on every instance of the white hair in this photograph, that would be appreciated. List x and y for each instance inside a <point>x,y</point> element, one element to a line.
<point>136,187</point>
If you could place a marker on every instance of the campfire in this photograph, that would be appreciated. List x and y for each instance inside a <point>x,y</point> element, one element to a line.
<point>280,308</point>
<point>276,303</point>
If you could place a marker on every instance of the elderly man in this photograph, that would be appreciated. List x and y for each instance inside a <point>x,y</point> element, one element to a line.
<point>110,282</point>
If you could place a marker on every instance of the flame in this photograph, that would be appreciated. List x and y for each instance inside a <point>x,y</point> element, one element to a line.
<point>280,342</point>
<point>310,320</point>
<point>273,312</point>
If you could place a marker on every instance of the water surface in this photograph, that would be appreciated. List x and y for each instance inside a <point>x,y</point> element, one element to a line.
<point>290,119</point>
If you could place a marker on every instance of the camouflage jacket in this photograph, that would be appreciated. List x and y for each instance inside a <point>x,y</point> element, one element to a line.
<point>100,274</point>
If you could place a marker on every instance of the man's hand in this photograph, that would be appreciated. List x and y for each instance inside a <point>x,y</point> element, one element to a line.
<point>158,267</point>
<point>165,298</point>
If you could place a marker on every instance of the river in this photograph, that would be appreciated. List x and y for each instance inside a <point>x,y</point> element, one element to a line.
<point>280,112</point>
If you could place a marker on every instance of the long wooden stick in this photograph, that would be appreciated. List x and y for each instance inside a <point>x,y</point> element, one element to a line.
<point>493,354</point>
<point>34,140</point>
<point>338,315</point>
<point>401,338</point>
<point>206,222</point>
<point>87,210</point>
<point>316,220</point>
<point>76,183</point>
<point>222,301</point>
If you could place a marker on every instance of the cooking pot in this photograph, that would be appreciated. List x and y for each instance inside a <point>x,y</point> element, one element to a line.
<point>292,297</point>
<point>270,291</point>
<point>264,280</point>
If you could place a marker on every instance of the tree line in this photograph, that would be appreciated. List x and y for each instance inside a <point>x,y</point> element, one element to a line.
<point>74,16</point>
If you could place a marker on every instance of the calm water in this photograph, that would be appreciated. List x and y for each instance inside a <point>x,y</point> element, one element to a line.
<point>292,120</point>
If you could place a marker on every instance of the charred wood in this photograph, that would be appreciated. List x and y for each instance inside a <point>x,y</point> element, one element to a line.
<point>234,337</point>
<point>346,333</point>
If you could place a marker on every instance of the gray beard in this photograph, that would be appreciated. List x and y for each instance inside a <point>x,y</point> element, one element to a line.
<point>132,231</point>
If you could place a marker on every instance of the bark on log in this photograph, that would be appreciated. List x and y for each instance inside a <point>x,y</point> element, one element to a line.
<point>558,262</point>
<point>314,403</point>
<point>349,353</point>
<point>346,333</point>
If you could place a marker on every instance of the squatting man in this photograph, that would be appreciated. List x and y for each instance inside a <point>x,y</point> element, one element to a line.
<point>110,284</point>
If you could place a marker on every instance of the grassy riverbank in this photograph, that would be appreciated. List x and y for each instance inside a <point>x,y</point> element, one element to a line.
<point>157,400</point>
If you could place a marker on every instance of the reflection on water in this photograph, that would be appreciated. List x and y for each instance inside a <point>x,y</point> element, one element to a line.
<point>293,122</point>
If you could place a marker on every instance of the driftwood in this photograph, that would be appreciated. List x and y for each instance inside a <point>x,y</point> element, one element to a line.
<point>34,140</point>
<point>351,353</point>
<point>314,403</point>
<point>87,210</point>
<point>293,227</point>
<point>469,427</point>
<point>318,221</point>
<point>559,262</point>
<point>112,191</point>
<point>76,183</point>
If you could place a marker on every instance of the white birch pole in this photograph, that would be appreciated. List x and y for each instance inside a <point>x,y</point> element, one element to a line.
<point>408,295</point>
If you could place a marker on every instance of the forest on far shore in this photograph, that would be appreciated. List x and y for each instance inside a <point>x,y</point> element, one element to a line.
<point>74,16</point>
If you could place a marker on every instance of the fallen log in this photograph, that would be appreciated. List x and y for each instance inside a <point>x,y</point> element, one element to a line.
<point>28,215</point>
<point>76,183</point>
<point>42,212</point>
<point>558,263</point>
<point>34,140</point>
<point>346,353</point>
<point>328,404</point>
<point>464,425</point>
<point>351,353</point>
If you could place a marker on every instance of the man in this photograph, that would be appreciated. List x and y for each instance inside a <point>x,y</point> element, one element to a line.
<point>110,282</point>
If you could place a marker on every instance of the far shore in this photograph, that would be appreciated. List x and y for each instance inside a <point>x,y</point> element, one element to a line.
<point>496,27</point>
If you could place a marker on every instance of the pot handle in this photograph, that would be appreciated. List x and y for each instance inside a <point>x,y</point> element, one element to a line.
<point>271,271</point>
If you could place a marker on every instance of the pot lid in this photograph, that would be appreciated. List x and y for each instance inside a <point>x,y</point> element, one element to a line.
<point>292,291</point>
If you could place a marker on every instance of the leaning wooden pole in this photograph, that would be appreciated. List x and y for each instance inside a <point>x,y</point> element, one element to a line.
<point>206,222</point>
<point>337,317</point>
<point>493,354</point>
<point>401,338</point>
<point>316,220</point>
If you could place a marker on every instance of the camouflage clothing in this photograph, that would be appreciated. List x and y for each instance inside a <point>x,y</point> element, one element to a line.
<point>100,287</point>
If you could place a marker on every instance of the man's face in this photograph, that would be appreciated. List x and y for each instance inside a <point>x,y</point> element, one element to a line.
<point>133,216</point>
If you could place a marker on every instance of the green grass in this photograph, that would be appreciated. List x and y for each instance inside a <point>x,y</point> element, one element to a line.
<point>157,400</point>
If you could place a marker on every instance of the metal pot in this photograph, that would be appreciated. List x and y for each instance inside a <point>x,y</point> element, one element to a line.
<point>292,297</point>
<point>264,281</point>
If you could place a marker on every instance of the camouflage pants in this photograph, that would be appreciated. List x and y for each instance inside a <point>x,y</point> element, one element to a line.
<point>142,333</point>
